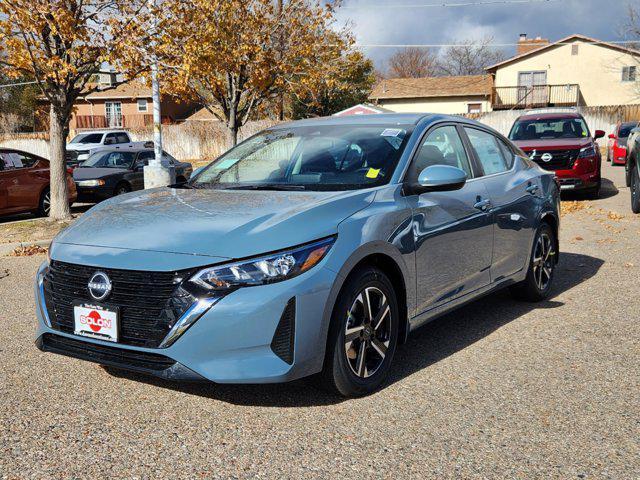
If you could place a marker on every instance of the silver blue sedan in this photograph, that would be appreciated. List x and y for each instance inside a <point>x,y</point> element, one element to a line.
<point>314,247</point>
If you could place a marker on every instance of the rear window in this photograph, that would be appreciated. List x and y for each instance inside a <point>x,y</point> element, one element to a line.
<point>548,129</point>
<point>87,138</point>
<point>625,130</point>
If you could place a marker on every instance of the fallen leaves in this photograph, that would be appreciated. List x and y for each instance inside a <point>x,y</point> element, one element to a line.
<point>28,251</point>
<point>572,207</point>
<point>614,216</point>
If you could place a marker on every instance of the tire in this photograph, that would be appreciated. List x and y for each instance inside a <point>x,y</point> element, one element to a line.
<point>121,189</point>
<point>359,366</point>
<point>534,288</point>
<point>44,205</point>
<point>635,190</point>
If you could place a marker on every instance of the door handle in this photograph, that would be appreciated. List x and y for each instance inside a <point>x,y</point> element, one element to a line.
<point>532,189</point>
<point>482,205</point>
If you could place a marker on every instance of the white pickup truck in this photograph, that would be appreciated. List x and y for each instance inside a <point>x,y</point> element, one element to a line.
<point>86,144</point>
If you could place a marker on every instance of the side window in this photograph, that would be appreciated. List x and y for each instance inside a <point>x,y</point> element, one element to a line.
<point>442,146</point>
<point>122,138</point>
<point>15,160</point>
<point>488,151</point>
<point>507,153</point>
<point>144,157</point>
<point>110,139</point>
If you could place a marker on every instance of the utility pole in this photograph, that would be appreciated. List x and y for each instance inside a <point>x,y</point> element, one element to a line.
<point>281,96</point>
<point>159,173</point>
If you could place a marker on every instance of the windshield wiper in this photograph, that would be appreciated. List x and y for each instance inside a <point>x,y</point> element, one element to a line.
<point>268,186</point>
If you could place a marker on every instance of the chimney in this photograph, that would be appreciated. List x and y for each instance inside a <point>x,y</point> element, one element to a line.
<point>526,45</point>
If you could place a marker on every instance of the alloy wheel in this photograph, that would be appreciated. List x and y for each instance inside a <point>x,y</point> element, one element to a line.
<point>367,332</point>
<point>543,261</point>
<point>46,203</point>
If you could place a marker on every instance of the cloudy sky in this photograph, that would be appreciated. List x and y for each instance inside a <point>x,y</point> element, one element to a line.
<point>404,22</point>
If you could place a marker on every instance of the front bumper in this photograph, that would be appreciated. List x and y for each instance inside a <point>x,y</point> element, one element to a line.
<point>94,194</point>
<point>231,342</point>
<point>585,174</point>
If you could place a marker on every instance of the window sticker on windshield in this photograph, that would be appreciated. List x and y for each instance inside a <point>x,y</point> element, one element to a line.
<point>226,163</point>
<point>373,173</point>
<point>391,132</point>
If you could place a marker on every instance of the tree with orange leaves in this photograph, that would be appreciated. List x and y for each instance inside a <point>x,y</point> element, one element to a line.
<point>61,44</point>
<point>237,56</point>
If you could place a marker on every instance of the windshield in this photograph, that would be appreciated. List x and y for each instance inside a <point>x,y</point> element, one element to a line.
<point>109,160</point>
<point>321,157</point>
<point>540,129</point>
<point>87,138</point>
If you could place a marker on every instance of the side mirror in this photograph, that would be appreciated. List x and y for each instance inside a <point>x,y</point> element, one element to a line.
<point>439,178</point>
<point>598,134</point>
<point>612,136</point>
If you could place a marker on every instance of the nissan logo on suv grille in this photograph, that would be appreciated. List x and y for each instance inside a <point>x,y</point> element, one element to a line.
<point>99,286</point>
<point>547,157</point>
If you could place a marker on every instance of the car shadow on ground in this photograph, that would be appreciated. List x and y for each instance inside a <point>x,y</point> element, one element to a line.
<point>76,209</point>
<point>607,190</point>
<point>426,346</point>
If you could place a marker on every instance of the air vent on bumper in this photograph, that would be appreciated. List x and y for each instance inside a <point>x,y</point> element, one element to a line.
<point>284,337</point>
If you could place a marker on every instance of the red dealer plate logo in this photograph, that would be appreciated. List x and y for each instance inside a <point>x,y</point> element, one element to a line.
<point>91,321</point>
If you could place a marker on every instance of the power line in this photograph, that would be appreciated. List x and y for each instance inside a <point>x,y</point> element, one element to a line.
<point>479,44</point>
<point>448,5</point>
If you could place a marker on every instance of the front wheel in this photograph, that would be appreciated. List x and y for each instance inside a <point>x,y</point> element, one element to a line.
<point>537,285</point>
<point>44,205</point>
<point>635,190</point>
<point>363,334</point>
<point>122,189</point>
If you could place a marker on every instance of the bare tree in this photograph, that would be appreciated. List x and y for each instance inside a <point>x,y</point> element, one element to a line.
<point>412,63</point>
<point>469,57</point>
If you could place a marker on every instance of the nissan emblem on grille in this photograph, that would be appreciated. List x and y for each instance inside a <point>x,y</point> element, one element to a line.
<point>99,286</point>
<point>547,157</point>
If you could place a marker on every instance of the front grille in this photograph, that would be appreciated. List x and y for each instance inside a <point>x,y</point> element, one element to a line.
<point>147,310</point>
<point>283,340</point>
<point>131,359</point>
<point>560,159</point>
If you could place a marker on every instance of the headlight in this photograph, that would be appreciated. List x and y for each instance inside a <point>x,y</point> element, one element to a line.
<point>266,269</point>
<point>585,152</point>
<point>90,183</point>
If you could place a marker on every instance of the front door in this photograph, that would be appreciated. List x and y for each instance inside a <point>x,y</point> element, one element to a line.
<point>114,114</point>
<point>532,88</point>
<point>453,231</point>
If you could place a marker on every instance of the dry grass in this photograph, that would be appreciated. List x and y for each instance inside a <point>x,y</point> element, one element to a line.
<point>28,231</point>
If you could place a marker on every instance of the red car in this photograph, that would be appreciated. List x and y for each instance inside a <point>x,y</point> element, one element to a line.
<point>24,183</point>
<point>617,148</point>
<point>561,142</point>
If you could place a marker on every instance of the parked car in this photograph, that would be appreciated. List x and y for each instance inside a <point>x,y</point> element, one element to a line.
<point>617,146</point>
<point>24,183</point>
<point>85,144</point>
<point>114,172</point>
<point>561,142</point>
<point>314,246</point>
<point>632,168</point>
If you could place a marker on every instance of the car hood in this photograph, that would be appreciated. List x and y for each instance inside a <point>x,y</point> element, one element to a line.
<point>553,144</point>
<point>82,146</point>
<point>89,173</point>
<point>216,223</point>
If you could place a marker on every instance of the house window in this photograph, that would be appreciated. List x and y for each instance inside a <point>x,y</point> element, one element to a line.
<point>574,49</point>
<point>629,74</point>
<point>142,104</point>
<point>474,108</point>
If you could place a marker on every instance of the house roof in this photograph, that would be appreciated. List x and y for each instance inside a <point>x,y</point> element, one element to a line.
<point>426,87</point>
<point>368,107</point>
<point>575,36</point>
<point>124,90</point>
<point>202,115</point>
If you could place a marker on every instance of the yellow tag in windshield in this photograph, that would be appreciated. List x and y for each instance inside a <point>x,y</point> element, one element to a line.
<point>373,173</point>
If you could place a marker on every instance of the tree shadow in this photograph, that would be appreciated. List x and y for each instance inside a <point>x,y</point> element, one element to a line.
<point>76,209</point>
<point>426,346</point>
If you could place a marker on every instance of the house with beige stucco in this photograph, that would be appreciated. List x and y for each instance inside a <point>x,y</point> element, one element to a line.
<point>449,95</point>
<point>574,71</point>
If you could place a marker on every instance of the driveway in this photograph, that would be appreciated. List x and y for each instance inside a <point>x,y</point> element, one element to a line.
<point>497,389</point>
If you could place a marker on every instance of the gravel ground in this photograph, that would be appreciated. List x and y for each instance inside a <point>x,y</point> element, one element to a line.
<point>499,389</point>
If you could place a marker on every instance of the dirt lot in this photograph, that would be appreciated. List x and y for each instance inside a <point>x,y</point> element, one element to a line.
<point>497,389</point>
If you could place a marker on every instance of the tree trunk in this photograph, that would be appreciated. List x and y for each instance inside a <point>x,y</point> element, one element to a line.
<point>232,129</point>
<point>59,127</point>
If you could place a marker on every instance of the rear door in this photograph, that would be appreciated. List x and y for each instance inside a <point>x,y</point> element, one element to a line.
<point>452,230</point>
<point>515,193</point>
<point>22,187</point>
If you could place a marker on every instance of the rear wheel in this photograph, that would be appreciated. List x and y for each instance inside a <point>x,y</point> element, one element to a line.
<point>537,285</point>
<point>363,334</point>
<point>44,206</point>
<point>635,190</point>
<point>122,189</point>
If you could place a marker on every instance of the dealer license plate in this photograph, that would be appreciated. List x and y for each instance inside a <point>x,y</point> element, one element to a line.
<point>96,321</point>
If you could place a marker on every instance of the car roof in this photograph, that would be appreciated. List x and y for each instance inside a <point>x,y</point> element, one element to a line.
<point>550,116</point>
<point>91,132</point>
<point>374,119</point>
